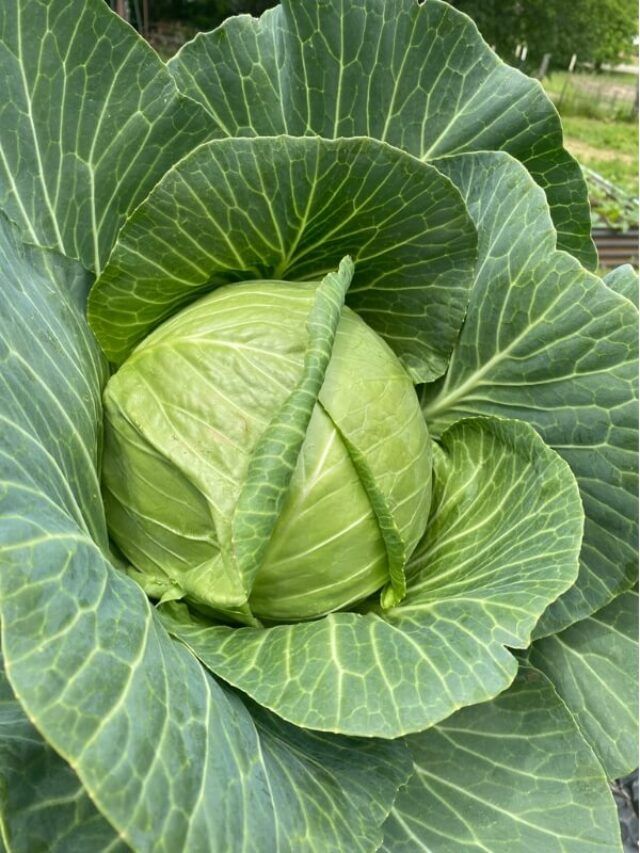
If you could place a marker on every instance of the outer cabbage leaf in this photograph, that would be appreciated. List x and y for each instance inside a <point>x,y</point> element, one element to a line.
<point>511,774</point>
<point>415,75</point>
<point>624,280</point>
<point>551,344</point>
<point>84,653</point>
<point>594,668</point>
<point>331,793</point>
<point>172,759</point>
<point>43,806</point>
<point>90,120</point>
<point>289,208</point>
<point>51,379</point>
<point>502,542</point>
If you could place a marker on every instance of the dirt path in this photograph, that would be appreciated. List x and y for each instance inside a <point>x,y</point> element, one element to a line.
<point>582,150</point>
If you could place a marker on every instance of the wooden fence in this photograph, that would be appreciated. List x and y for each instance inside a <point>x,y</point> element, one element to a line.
<point>616,247</point>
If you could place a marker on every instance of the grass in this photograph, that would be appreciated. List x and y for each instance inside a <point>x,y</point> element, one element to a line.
<point>607,147</point>
<point>599,127</point>
<point>557,79</point>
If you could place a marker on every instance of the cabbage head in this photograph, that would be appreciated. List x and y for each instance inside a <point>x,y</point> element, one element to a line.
<point>318,444</point>
<point>184,419</point>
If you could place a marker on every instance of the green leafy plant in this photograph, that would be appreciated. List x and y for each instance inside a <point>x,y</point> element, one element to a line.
<point>611,206</point>
<point>317,491</point>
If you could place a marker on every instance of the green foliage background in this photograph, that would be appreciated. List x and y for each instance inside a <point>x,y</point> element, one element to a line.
<point>596,30</point>
<point>204,14</point>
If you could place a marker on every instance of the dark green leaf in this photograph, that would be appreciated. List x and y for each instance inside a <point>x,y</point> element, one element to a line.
<point>50,384</point>
<point>43,807</point>
<point>509,775</point>
<point>331,793</point>
<point>415,75</point>
<point>594,667</point>
<point>551,344</point>
<point>291,209</point>
<point>624,280</point>
<point>90,120</point>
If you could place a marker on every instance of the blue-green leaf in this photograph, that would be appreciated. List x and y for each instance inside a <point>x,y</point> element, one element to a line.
<point>549,343</point>
<point>286,208</point>
<point>43,806</point>
<point>509,775</point>
<point>624,280</point>
<point>415,75</point>
<point>90,120</point>
<point>594,667</point>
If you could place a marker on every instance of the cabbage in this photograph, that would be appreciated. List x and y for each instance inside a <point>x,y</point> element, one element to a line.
<point>318,444</point>
<point>183,420</point>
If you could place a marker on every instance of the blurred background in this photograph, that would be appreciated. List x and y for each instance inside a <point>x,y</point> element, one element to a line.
<point>585,52</point>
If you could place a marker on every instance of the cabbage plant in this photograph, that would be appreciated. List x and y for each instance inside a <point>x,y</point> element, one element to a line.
<point>317,448</point>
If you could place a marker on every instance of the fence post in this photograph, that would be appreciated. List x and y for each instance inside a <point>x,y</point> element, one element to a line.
<point>145,18</point>
<point>122,9</point>
<point>544,66</point>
